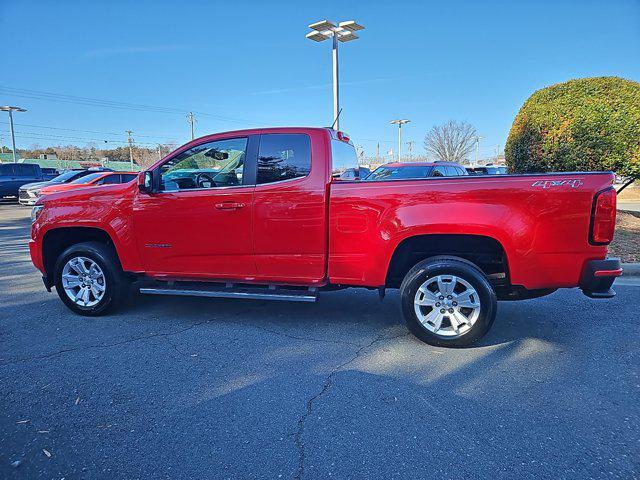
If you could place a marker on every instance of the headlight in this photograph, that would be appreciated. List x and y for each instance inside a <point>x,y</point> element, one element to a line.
<point>35,212</point>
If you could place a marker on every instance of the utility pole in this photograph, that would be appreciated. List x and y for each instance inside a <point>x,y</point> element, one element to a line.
<point>130,140</point>
<point>399,122</point>
<point>343,32</point>
<point>13,138</point>
<point>191,120</point>
<point>478,138</point>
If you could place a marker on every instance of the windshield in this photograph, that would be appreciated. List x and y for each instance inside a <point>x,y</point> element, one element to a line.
<point>395,173</point>
<point>88,178</point>
<point>63,177</point>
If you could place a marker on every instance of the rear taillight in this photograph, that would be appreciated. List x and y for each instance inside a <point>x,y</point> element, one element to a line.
<point>603,217</point>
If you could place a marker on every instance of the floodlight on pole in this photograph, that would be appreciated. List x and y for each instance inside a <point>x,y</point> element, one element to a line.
<point>9,109</point>
<point>399,122</point>
<point>338,32</point>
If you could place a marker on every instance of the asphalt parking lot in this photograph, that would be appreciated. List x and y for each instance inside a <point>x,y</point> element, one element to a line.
<point>203,388</point>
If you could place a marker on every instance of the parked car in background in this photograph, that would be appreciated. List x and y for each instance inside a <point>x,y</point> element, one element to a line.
<point>353,174</point>
<point>14,175</point>
<point>93,179</point>
<point>490,170</point>
<point>29,193</point>
<point>404,171</point>
<point>50,172</point>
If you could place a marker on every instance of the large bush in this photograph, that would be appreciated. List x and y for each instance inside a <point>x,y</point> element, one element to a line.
<point>580,125</point>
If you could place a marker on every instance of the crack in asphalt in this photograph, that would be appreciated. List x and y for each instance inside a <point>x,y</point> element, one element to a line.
<point>328,382</point>
<point>103,345</point>
<point>165,335</point>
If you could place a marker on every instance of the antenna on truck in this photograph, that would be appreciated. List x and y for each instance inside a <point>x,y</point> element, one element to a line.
<point>333,125</point>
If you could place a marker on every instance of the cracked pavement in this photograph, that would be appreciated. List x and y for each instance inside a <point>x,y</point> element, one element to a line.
<point>203,388</point>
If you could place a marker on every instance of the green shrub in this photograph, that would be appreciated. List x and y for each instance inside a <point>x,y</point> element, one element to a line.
<point>580,125</point>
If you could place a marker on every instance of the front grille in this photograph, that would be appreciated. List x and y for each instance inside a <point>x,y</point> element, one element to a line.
<point>24,195</point>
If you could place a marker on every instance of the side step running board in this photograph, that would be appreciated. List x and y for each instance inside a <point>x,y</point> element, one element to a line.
<point>232,291</point>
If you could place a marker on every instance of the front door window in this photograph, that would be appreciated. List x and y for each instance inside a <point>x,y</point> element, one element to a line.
<point>210,165</point>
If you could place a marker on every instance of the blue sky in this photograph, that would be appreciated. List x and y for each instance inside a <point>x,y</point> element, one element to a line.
<point>248,64</point>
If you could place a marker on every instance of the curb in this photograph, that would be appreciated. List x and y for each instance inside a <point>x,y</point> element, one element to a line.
<point>631,269</point>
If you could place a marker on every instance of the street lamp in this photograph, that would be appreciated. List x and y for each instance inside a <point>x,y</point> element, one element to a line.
<point>399,122</point>
<point>13,138</point>
<point>343,32</point>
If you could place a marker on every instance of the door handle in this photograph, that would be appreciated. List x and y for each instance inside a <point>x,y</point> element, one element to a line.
<point>229,205</point>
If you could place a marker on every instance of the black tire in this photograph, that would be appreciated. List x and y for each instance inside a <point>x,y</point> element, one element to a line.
<point>463,269</point>
<point>117,285</point>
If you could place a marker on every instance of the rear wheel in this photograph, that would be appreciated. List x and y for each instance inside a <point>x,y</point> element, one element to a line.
<point>89,279</point>
<point>447,302</point>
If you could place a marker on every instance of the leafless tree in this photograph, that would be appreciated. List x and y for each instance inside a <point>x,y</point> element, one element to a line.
<point>450,142</point>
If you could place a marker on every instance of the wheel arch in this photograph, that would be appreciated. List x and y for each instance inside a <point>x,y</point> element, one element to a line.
<point>57,240</point>
<point>484,252</point>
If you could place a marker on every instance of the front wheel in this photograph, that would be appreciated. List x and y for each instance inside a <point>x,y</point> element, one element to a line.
<point>89,279</point>
<point>447,302</point>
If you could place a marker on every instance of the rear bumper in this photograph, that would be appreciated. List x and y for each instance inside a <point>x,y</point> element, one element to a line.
<point>598,276</point>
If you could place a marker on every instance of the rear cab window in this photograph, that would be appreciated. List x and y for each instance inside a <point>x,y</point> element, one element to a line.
<point>283,156</point>
<point>25,170</point>
<point>6,170</point>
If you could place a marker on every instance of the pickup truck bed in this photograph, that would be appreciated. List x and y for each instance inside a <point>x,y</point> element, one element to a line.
<point>543,232</point>
<point>247,214</point>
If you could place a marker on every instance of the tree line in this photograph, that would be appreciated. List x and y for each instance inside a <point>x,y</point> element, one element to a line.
<point>143,156</point>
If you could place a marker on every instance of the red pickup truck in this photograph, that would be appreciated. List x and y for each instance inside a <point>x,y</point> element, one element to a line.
<point>259,214</point>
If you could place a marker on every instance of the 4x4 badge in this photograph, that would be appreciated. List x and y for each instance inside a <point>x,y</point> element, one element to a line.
<point>573,183</point>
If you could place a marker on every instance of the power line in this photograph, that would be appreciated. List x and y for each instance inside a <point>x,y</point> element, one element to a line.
<point>96,102</point>
<point>36,135</point>
<point>376,140</point>
<point>82,131</point>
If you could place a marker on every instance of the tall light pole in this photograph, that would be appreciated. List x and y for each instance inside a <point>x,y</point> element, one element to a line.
<point>130,140</point>
<point>13,138</point>
<point>341,32</point>
<point>399,122</point>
